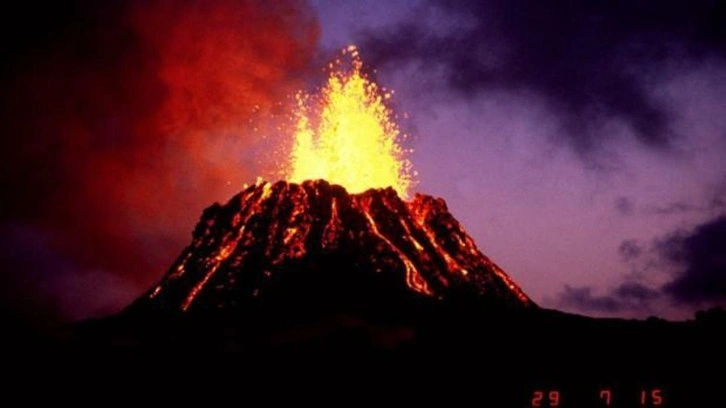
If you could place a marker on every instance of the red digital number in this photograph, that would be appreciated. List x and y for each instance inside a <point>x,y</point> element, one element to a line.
<point>553,398</point>
<point>654,397</point>
<point>537,398</point>
<point>606,395</point>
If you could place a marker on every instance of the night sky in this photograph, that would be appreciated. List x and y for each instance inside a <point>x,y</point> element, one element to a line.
<point>582,144</point>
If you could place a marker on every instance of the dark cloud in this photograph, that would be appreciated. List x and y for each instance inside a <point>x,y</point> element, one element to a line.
<point>700,257</point>
<point>630,249</point>
<point>674,208</point>
<point>122,120</point>
<point>718,201</point>
<point>629,296</point>
<point>42,286</point>
<point>636,292</point>
<point>697,256</point>
<point>715,203</point>
<point>581,298</point>
<point>590,61</point>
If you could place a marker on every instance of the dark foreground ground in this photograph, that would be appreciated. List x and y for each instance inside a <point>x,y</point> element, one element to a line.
<point>450,355</point>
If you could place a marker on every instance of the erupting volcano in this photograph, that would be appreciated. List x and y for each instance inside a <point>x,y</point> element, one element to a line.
<point>338,227</point>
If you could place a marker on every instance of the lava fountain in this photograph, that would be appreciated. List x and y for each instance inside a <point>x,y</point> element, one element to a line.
<point>347,135</point>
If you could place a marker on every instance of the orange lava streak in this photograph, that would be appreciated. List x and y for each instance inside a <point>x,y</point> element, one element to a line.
<point>413,277</point>
<point>468,243</point>
<point>276,225</point>
<point>333,227</point>
<point>223,254</point>
<point>411,238</point>
<point>228,244</point>
<point>510,283</point>
<point>179,271</point>
<point>299,225</point>
<point>347,135</point>
<point>420,247</point>
<point>155,292</point>
<point>453,265</point>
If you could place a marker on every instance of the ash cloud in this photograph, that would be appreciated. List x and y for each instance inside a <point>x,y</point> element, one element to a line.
<point>122,120</point>
<point>590,62</point>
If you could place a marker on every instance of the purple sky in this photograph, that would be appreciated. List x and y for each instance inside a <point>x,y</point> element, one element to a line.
<point>582,144</point>
<point>551,209</point>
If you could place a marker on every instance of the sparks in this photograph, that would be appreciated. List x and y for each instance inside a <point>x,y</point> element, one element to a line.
<point>346,134</point>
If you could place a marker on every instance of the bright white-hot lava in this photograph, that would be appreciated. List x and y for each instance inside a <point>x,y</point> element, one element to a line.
<point>347,135</point>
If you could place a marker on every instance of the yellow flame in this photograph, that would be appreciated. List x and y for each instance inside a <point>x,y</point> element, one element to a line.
<point>346,135</point>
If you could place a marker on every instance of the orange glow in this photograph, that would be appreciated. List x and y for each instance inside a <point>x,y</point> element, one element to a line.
<point>155,292</point>
<point>230,241</point>
<point>298,226</point>
<point>333,228</point>
<point>420,214</point>
<point>414,280</point>
<point>346,134</point>
<point>218,259</point>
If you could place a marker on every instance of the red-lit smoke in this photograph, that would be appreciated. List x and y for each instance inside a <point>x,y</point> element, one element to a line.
<point>122,120</point>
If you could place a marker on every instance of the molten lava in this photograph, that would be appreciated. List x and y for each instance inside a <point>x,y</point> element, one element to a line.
<point>314,239</point>
<point>347,135</point>
<point>338,231</point>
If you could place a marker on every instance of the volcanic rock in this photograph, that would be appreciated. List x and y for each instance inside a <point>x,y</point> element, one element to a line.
<point>313,243</point>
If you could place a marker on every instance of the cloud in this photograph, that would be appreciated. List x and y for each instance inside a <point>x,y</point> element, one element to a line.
<point>636,292</point>
<point>43,286</point>
<point>674,208</point>
<point>590,62</point>
<point>122,120</point>
<point>693,263</point>
<point>630,249</point>
<point>624,206</point>
<point>716,203</point>
<point>700,258</point>
<point>628,296</point>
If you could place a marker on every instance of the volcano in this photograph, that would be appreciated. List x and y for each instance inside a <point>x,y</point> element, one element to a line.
<point>306,286</point>
<point>313,243</point>
<point>340,283</point>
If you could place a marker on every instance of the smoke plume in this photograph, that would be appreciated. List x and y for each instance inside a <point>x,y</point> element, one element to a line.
<point>121,121</point>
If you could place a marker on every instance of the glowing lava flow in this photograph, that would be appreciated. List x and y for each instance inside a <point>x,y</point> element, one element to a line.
<point>270,233</point>
<point>229,243</point>
<point>413,276</point>
<point>347,135</point>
